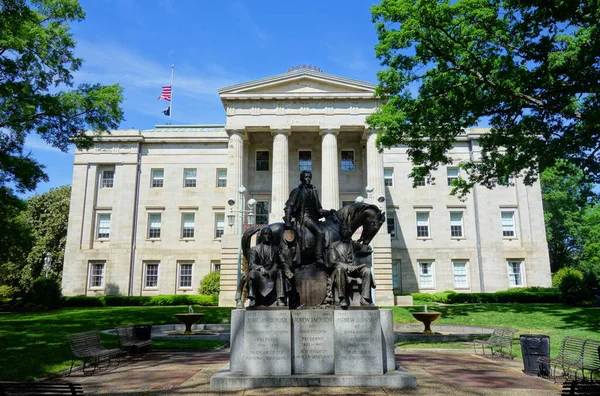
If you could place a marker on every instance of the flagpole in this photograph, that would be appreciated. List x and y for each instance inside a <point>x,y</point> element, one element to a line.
<point>171,112</point>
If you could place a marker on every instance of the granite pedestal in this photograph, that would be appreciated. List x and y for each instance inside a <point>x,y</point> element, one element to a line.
<point>313,347</point>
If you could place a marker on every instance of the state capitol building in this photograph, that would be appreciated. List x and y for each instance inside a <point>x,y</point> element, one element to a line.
<point>149,208</point>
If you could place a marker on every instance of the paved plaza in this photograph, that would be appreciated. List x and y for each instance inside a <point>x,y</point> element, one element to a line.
<point>438,372</point>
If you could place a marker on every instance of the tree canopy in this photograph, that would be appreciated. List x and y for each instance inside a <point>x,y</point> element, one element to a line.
<point>528,68</point>
<point>37,63</point>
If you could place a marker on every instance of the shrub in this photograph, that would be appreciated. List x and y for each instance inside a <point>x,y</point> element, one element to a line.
<point>516,295</point>
<point>7,291</point>
<point>572,286</point>
<point>83,301</point>
<point>44,291</point>
<point>210,284</point>
<point>136,301</point>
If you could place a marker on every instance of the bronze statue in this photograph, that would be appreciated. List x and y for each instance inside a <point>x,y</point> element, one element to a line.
<point>342,259</point>
<point>305,208</point>
<point>265,273</point>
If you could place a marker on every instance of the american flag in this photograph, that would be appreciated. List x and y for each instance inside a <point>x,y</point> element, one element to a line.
<point>166,93</point>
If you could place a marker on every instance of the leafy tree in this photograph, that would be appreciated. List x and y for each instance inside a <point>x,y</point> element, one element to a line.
<point>566,195</point>
<point>527,67</point>
<point>36,62</point>
<point>589,258</point>
<point>48,216</point>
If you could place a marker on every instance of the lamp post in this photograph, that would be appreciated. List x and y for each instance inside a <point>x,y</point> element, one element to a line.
<point>231,220</point>
<point>47,263</point>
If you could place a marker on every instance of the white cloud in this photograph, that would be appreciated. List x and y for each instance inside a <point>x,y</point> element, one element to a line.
<point>245,20</point>
<point>34,142</point>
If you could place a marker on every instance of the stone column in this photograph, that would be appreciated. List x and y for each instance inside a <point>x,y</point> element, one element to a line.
<point>280,181</point>
<point>235,172</point>
<point>330,185</point>
<point>374,167</point>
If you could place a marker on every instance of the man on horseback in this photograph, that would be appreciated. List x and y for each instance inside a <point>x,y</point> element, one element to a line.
<point>305,208</point>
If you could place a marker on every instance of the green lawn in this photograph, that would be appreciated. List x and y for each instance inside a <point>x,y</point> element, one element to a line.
<point>35,345</point>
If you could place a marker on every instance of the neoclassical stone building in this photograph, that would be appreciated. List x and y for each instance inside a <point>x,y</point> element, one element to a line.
<point>148,207</point>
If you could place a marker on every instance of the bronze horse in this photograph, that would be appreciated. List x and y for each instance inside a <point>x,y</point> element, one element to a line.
<point>366,215</point>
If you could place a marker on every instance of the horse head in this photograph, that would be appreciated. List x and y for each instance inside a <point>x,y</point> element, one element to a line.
<point>366,215</point>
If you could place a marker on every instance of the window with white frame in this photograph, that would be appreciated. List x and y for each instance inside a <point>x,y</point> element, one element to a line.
<point>108,178</point>
<point>508,224</point>
<point>185,275</point>
<point>420,181</point>
<point>461,280</point>
<point>456,224</point>
<point>189,177</point>
<point>151,275</point>
<point>452,174</point>
<point>426,275</point>
<point>388,177</point>
<point>515,273</point>
<point>221,177</point>
<point>422,224</point>
<point>396,275</point>
<point>304,160</point>
<point>219,224</point>
<point>262,212</point>
<point>188,221</point>
<point>158,178</point>
<point>96,274</point>
<point>154,223</point>
<point>103,226</point>
<point>262,160</point>
<point>348,160</point>
<point>390,218</point>
<point>215,266</point>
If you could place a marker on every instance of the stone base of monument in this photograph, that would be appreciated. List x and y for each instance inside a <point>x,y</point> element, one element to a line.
<point>312,347</point>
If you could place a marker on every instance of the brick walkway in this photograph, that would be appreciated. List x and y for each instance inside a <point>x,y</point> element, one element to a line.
<point>438,372</point>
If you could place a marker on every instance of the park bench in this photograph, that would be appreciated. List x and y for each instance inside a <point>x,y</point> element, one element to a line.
<point>130,342</point>
<point>581,388</point>
<point>590,360</point>
<point>86,346</point>
<point>569,358</point>
<point>500,343</point>
<point>39,388</point>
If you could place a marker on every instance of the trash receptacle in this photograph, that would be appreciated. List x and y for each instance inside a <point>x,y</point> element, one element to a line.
<point>143,332</point>
<point>534,346</point>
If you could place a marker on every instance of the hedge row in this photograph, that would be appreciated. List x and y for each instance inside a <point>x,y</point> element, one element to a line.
<point>531,295</point>
<point>134,301</point>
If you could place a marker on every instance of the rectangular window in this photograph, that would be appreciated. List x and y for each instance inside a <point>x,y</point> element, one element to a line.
<point>185,275</point>
<point>262,212</point>
<point>456,224</point>
<point>426,275</point>
<point>262,160</point>
<point>108,179</point>
<point>508,224</point>
<point>154,220</point>
<point>215,266</point>
<point>219,225</point>
<point>103,228</point>
<point>422,224</point>
<point>151,275</point>
<point>96,275</point>
<point>515,273</point>
<point>187,225</point>
<point>347,160</point>
<point>221,178</point>
<point>388,177</point>
<point>390,218</point>
<point>158,177</point>
<point>304,161</point>
<point>420,181</point>
<point>395,275</point>
<point>460,274</point>
<point>189,178</point>
<point>452,174</point>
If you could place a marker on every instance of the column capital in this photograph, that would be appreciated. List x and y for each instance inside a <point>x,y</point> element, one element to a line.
<point>281,131</point>
<point>240,132</point>
<point>332,131</point>
<point>370,132</point>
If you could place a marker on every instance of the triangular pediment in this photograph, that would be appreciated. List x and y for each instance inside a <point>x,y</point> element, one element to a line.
<point>299,84</point>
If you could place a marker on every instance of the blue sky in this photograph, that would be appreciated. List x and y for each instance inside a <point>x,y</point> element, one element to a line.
<point>213,44</point>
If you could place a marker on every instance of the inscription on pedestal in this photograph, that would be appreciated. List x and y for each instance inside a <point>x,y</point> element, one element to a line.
<point>358,348</point>
<point>267,343</point>
<point>313,342</point>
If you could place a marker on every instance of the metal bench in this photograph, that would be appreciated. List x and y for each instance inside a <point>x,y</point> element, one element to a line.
<point>500,343</point>
<point>579,388</point>
<point>569,359</point>
<point>130,342</point>
<point>590,360</point>
<point>39,388</point>
<point>86,346</point>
